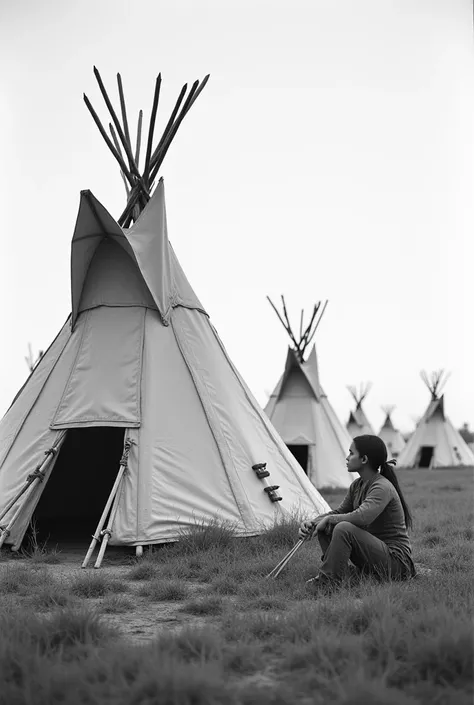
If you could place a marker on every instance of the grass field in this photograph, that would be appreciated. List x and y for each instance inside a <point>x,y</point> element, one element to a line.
<point>230,636</point>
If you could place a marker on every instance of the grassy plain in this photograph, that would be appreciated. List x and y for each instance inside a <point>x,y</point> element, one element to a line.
<point>230,636</point>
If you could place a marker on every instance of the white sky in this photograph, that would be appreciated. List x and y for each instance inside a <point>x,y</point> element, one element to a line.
<point>331,155</point>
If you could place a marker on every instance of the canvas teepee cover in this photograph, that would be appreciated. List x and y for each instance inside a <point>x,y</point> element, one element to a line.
<point>138,362</point>
<point>358,424</point>
<point>391,436</point>
<point>435,442</point>
<point>302,414</point>
<point>139,352</point>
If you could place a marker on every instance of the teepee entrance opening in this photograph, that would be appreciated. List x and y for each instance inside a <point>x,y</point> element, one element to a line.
<point>426,456</point>
<point>79,485</point>
<point>301,454</point>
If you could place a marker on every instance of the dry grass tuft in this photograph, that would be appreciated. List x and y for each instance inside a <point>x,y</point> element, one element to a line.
<point>94,584</point>
<point>159,590</point>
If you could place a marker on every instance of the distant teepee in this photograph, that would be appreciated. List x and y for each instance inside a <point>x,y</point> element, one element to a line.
<point>435,442</point>
<point>300,410</point>
<point>31,360</point>
<point>390,435</point>
<point>358,423</point>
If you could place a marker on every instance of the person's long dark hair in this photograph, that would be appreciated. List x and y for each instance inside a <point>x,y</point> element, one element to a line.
<point>376,451</point>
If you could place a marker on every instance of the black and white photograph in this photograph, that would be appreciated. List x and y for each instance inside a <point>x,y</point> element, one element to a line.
<point>237,359</point>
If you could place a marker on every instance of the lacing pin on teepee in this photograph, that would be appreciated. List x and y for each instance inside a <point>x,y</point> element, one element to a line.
<point>112,504</point>
<point>262,473</point>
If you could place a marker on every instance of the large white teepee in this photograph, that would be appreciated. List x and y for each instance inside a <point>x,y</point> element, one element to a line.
<point>391,436</point>
<point>435,442</point>
<point>358,424</point>
<point>302,414</point>
<point>136,410</point>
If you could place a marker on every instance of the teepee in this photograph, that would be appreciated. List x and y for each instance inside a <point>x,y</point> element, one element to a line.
<point>435,442</point>
<point>391,436</point>
<point>302,414</point>
<point>135,420</point>
<point>358,424</point>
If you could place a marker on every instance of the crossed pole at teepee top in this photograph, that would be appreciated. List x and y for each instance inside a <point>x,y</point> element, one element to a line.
<point>139,185</point>
<point>306,336</point>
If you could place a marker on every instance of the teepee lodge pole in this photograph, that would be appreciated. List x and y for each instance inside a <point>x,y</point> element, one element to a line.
<point>306,336</point>
<point>123,109</point>
<point>140,185</point>
<point>118,126</point>
<point>31,483</point>
<point>139,137</point>
<point>30,360</point>
<point>115,493</point>
<point>151,127</point>
<point>169,126</point>
<point>286,326</point>
<point>193,94</point>
<point>435,382</point>
<point>109,144</point>
<point>117,147</point>
<point>318,321</point>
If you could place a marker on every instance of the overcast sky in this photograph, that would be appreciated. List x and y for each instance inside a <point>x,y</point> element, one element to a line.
<point>331,155</point>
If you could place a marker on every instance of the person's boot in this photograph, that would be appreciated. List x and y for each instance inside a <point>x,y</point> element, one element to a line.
<point>321,584</point>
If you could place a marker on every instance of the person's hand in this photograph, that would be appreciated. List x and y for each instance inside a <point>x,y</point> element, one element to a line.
<point>306,530</point>
<point>324,525</point>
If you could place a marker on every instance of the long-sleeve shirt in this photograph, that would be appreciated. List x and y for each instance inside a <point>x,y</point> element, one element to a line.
<point>376,507</point>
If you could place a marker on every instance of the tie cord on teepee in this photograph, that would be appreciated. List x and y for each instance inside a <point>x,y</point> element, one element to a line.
<point>138,186</point>
<point>306,336</point>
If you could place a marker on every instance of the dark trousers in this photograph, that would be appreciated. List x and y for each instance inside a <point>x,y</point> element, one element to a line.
<point>368,553</point>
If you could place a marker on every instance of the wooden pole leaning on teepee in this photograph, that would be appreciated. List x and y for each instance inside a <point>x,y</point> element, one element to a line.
<point>139,186</point>
<point>114,494</point>
<point>32,481</point>
<point>107,532</point>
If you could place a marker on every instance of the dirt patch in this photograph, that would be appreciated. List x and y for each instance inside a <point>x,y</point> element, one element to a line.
<point>146,619</point>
